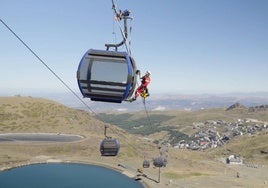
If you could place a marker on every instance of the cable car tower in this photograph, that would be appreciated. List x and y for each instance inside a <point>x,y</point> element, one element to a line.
<point>106,75</point>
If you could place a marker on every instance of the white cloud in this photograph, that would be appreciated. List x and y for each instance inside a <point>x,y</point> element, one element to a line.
<point>159,108</point>
<point>121,109</point>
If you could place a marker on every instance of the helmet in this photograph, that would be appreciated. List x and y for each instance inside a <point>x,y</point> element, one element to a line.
<point>148,72</point>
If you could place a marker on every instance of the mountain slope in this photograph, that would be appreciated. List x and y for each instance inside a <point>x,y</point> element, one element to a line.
<point>27,114</point>
<point>34,115</point>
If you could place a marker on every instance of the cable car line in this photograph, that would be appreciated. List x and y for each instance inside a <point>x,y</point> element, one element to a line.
<point>109,146</point>
<point>50,69</point>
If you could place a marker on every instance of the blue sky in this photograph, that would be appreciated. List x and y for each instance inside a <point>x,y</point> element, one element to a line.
<point>190,46</point>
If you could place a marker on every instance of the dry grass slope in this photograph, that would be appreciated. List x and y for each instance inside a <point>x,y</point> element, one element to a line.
<point>26,114</point>
<point>185,168</point>
<point>35,115</point>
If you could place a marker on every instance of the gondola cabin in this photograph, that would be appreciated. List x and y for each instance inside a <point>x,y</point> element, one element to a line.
<point>109,147</point>
<point>160,162</point>
<point>108,76</point>
<point>146,164</point>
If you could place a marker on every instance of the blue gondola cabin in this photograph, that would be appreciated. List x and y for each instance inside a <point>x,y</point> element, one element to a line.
<point>108,76</point>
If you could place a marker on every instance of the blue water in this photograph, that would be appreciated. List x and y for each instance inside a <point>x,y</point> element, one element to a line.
<point>65,176</point>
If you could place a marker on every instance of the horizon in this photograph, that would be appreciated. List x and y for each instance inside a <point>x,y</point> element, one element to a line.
<point>158,102</point>
<point>44,92</point>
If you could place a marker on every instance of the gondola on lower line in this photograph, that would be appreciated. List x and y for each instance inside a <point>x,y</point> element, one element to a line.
<point>109,147</point>
<point>146,163</point>
<point>160,161</point>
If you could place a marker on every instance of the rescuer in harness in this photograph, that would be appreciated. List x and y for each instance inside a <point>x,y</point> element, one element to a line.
<point>142,89</point>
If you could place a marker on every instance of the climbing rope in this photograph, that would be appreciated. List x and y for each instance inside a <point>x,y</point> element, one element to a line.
<point>147,113</point>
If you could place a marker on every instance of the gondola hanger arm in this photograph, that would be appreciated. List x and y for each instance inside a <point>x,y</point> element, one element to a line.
<point>119,15</point>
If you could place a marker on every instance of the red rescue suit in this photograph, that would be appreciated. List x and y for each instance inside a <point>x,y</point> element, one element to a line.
<point>144,83</point>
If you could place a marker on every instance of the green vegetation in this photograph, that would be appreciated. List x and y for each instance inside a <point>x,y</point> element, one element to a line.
<point>135,125</point>
<point>144,125</point>
<point>175,136</point>
<point>173,175</point>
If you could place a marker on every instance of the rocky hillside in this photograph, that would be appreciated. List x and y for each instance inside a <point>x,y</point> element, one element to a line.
<point>236,106</point>
<point>250,109</point>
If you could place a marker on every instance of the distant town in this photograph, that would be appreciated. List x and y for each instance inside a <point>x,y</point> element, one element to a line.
<point>208,136</point>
